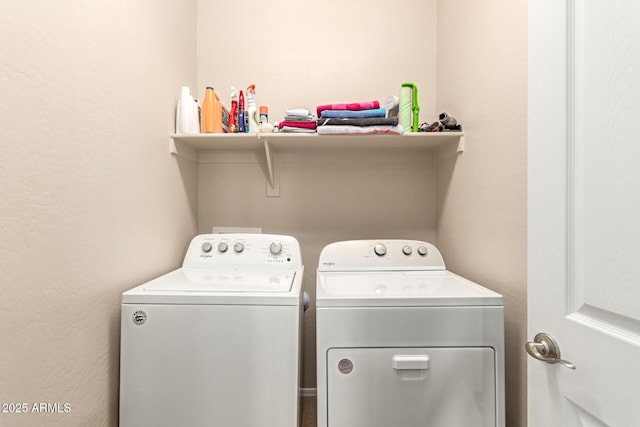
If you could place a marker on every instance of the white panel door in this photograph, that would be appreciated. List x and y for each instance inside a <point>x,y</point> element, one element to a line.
<point>584,211</point>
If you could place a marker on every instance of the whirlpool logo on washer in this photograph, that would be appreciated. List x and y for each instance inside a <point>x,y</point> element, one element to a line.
<point>139,317</point>
<point>345,366</point>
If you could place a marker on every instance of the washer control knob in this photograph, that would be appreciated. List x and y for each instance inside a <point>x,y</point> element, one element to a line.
<point>380,249</point>
<point>422,250</point>
<point>222,247</point>
<point>406,249</point>
<point>238,247</point>
<point>206,247</point>
<point>275,248</point>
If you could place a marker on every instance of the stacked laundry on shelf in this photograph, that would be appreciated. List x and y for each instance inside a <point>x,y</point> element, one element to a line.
<point>298,120</point>
<point>356,118</point>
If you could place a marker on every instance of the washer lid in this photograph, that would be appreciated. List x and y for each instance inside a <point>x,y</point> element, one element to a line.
<point>401,289</point>
<point>207,280</point>
<point>218,286</point>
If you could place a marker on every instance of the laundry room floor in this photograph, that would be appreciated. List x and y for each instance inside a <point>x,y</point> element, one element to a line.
<point>309,415</point>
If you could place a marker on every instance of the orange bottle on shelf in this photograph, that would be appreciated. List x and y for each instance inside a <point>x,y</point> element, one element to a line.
<point>208,111</point>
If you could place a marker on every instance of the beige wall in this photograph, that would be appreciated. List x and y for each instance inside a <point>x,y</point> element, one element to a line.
<point>305,54</point>
<point>482,79</point>
<point>91,202</point>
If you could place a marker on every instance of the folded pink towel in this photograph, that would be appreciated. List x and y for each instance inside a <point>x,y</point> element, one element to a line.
<point>305,125</point>
<point>356,106</point>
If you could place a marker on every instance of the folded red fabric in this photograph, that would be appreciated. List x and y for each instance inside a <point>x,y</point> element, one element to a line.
<point>355,106</point>
<point>305,125</point>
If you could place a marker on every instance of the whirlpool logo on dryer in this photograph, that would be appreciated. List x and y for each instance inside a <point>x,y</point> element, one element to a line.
<point>139,317</point>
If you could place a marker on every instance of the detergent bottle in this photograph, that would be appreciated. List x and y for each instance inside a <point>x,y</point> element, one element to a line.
<point>187,120</point>
<point>233,115</point>
<point>252,110</point>
<point>207,124</point>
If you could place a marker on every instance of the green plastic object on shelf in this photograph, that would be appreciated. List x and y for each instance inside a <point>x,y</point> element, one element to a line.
<point>415,108</point>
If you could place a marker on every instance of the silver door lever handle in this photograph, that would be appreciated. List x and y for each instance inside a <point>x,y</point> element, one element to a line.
<point>545,348</point>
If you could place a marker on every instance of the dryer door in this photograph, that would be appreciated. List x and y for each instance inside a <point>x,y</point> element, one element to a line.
<point>411,387</point>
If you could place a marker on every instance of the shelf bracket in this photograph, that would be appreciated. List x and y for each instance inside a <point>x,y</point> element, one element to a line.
<point>461,144</point>
<point>180,150</point>
<point>273,184</point>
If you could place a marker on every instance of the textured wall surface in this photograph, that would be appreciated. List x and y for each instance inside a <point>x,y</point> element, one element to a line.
<point>482,216</point>
<point>305,54</point>
<point>91,201</point>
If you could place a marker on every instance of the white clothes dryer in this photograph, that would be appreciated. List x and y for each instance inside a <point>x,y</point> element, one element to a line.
<point>401,341</point>
<point>217,341</point>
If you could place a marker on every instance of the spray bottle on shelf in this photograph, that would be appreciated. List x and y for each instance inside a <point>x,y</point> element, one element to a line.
<point>233,116</point>
<point>241,113</point>
<point>265,126</point>
<point>252,110</point>
<point>264,114</point>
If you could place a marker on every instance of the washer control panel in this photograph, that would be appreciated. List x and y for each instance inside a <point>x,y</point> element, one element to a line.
<point>384,254</point>
<point>245,250</point>
<point>381,250</point>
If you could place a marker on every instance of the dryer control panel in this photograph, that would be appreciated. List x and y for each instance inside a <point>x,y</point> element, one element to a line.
<point>383,254</point>
<point>243,250</point>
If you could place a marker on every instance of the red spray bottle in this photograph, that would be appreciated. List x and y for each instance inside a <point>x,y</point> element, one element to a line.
<point>233,115</point>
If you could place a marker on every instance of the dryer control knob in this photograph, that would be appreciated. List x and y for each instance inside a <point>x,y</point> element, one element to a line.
<point>406,249</point>
<point>380,249</point>
<point>206,247</point>
<point>238,247</point>
<point>222,247</point>
<point>422,250</point>
<point>275,248</point>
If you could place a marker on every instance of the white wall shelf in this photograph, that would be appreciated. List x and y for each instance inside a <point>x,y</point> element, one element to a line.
<point>301,141</point>
<point>189,145</point>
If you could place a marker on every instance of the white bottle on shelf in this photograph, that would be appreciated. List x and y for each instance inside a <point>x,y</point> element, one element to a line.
<point>187,120</point>
<point>252,110</point>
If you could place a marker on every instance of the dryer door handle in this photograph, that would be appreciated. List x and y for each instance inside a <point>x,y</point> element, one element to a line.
<point>410,362</point>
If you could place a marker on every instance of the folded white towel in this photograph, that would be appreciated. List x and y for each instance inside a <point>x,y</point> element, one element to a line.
<point>354,130</point>
<point>298,112</point>
<point>291,129</point>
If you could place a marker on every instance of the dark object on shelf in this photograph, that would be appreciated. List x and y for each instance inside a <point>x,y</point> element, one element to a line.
<point>445,123</point>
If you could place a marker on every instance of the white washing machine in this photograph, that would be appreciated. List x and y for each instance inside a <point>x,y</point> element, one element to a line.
<point>216,342</point>
<point>401,341</point>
